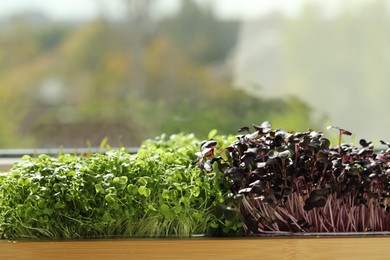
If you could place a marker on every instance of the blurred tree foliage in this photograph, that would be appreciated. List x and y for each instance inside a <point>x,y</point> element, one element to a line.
<point>64,84</point>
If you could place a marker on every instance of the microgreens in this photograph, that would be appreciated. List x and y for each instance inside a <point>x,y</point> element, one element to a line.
<point>159,191</point>
<point>297,182</point>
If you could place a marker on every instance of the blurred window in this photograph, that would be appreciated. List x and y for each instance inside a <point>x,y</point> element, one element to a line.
<point>73,73</point>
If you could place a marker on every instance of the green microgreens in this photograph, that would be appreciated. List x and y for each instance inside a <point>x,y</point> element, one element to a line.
<point>159,191</point>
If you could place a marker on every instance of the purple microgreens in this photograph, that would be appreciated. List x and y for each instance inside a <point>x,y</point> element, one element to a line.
<point>297,182</point>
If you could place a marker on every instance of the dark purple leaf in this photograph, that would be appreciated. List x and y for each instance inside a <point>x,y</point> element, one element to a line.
<point>272,154</point>
<point>385,143</point>
<point>244,129</point>
<point>209,144</point>
<point>207,152</point>
<point>364,143</point>
<point>325,143</point>
<point>285,154</point>
<point>245,190</point>
<point>264,128</point>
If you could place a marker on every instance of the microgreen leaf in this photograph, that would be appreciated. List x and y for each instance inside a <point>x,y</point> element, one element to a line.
<point>99,188</point>
<point>212,133</point>
<point>167,212</point>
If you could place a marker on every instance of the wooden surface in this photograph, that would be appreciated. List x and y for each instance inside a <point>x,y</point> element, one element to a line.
<point>202,248</point>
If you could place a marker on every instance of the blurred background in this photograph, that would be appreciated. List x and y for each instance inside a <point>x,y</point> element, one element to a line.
<point>75,72</point>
